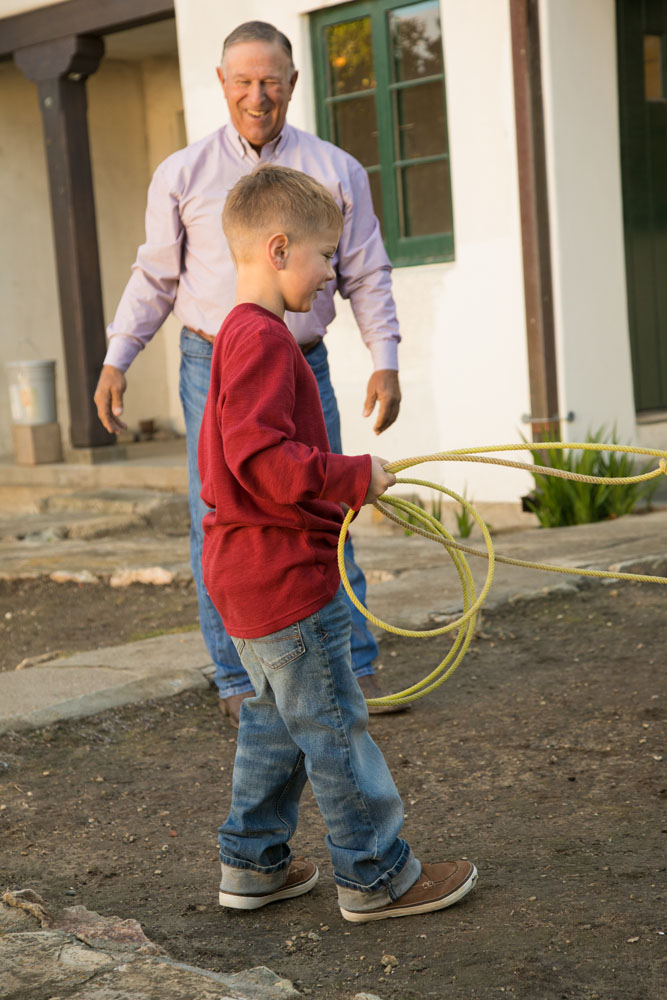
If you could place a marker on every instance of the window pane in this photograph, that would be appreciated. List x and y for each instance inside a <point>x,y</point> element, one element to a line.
<point>354,128</point>
<point>420,121</point>
<point>415,40</point>
<point>382,99</point>
<point>654,89</point>
<point>350,57</point>
<point>425,206</point>
<point>376,194</point>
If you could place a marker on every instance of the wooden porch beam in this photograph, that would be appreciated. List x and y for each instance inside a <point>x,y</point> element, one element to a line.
<point>78,17</point>
<point>60,69</point>
<point>534,207</point>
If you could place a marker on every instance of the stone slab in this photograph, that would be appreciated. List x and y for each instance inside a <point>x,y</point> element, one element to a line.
<point>46,528</point>
<point>41,696</point>
<point>81,955</point>
<point>39,963</point>
<point>165,978</point>
<point>174,652</point>
<point>93,681</point>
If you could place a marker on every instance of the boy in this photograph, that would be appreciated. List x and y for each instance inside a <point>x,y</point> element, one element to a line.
<point>275,493</point>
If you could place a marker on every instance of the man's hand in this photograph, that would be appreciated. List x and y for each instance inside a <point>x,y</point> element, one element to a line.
<point>383,388</point>
<point>109,398</point>
<point>380,480</point>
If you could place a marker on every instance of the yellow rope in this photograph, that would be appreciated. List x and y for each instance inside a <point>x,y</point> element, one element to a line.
<point>429,527</point>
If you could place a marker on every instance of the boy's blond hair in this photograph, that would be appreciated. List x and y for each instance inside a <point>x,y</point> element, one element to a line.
<point>277,199</point>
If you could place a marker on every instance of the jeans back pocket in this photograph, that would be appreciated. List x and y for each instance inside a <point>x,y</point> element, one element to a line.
<point>276,650</point>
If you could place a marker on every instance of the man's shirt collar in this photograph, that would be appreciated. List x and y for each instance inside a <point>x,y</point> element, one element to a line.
<point>269,150</point>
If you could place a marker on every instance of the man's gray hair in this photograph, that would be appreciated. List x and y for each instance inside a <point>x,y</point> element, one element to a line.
<point>258,31</point>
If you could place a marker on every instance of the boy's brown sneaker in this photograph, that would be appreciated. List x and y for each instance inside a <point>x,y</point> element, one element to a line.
<point>438,886</point>
<point>301,877</point>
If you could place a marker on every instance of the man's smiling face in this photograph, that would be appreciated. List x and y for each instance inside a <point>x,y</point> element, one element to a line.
<point>257,79</point>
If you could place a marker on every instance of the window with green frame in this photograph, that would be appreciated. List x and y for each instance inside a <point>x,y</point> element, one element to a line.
<point>380,90</point>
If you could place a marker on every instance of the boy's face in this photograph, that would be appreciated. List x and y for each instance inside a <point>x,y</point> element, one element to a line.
<point>257,79</point>
<point>308,268</point>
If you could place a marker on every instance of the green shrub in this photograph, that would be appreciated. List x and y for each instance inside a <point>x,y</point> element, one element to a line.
<point>464,520</point>
<point>560,502</point>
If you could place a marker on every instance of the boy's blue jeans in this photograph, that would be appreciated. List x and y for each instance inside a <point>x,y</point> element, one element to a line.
<point>308,719</point>
<point>229,676</point>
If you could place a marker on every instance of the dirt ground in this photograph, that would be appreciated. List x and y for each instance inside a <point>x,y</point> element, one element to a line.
<point>542,760</point>
<point>39,617</point>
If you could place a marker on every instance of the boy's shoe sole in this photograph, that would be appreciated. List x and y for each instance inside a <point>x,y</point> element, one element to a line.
<point>438,886</point>
<point>301,878</point>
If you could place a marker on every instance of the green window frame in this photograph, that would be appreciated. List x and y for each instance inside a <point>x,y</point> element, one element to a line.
<point>407,164</point>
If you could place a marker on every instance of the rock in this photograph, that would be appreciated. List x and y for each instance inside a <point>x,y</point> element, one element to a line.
<point>155,575</point>
<point>54,533</point>
<point>151,977</point>
<point>110,933</point>
<point>94,957</point>
<point>73,576</point>
<point>260,983</point>
<point>44,963</point>
<point>33,661</point>
<point>30,902</point>
<point>13,919</point>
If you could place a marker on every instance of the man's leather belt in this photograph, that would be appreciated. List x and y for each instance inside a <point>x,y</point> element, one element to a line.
<point>305,348</point>
<point>204,336</point>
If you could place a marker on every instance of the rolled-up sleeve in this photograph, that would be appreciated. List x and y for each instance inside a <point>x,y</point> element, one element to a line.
<point>364,272</point>
<point>149,294</point>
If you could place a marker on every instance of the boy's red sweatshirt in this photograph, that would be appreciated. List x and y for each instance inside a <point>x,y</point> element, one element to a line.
<point>274,487</point>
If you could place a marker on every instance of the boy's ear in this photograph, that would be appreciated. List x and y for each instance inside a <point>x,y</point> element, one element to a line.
<point>278,251</point>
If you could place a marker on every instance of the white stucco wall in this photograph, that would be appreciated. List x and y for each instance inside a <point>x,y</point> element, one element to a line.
<point>28,289</point>
<point>583,151</point>
<point>135,121</point>
<point>463,358</point>
<point>10,7</point>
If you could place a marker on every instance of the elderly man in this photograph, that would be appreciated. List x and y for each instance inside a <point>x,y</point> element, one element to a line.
<point>185,266</point>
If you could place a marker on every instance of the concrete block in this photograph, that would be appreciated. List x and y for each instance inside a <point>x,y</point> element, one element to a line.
<point>36,444</point>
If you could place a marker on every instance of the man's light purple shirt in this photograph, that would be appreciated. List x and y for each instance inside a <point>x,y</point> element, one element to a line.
<point>185,266</point>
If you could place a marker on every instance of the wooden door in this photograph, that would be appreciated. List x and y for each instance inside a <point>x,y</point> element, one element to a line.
<point>642,62</point>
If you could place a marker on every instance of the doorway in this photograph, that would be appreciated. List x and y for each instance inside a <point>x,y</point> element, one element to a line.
<point>642,65</point>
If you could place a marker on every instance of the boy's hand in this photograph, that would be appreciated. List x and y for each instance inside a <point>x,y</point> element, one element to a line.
<point>380,480</point>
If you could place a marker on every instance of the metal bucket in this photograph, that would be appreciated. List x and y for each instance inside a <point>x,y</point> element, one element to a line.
<point>32,391</point>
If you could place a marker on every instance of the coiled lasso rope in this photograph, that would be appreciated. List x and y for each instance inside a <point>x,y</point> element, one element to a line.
<point>429,527</point>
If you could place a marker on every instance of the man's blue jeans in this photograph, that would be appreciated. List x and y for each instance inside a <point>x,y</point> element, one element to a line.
<point>230,677</point>
<point>308,720</point>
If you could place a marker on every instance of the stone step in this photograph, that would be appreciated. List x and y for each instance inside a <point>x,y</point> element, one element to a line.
<point>113,501</point>
<point>91,514</point>
<point>44,529</point>
<point>162,511</point>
